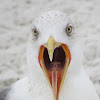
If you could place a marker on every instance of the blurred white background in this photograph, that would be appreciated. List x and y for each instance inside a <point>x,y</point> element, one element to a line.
<point>16,17</point>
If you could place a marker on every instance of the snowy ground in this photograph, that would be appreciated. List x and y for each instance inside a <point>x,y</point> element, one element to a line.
<point>15,24</point>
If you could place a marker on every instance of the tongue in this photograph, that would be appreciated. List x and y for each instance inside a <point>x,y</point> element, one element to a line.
<point>56,76</point>
<point>54,79</point>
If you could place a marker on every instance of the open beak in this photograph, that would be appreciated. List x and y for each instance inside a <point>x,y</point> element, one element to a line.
<point>54,59</point>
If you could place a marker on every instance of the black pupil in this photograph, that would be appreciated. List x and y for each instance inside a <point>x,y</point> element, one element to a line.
<point>68,29</point>
<point>34,31</point>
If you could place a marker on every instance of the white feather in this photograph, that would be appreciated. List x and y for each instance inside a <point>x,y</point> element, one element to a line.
<point>77,85</point>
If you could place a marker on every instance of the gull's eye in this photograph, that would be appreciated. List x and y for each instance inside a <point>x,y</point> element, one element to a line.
<point>34,31</point>
<point>69,30</point>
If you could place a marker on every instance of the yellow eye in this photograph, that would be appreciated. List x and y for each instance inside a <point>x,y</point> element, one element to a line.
<point>34,31</point>
<point>69,29</point>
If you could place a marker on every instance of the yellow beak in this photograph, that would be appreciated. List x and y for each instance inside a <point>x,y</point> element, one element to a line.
<point>54,59</point>
<point>51,45</point>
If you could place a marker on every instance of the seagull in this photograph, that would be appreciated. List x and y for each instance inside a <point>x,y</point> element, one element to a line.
<point>54,61</point>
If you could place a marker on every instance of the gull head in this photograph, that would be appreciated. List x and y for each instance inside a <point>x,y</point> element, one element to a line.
<point>53,49</point>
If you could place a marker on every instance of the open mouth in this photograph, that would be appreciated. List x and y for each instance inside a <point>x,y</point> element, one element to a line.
<point>58,60</point>
<point>54,59</point>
